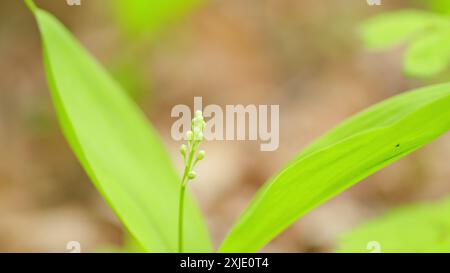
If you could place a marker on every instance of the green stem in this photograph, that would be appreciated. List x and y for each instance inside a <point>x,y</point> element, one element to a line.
<point>180,218</point>
<point>184,180</point>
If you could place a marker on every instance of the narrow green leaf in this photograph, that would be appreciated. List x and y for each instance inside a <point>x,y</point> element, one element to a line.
<point>115,144</point>
<point>414,228</point>
<point>347,154</point>
<point>428,55</point>
<point>391,28</point>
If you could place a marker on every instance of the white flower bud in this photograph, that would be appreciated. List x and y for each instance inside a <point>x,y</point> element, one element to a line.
<point>189,135</point>
<point>192,175</point>
<point>199,136</point>
<point>197,122</point>
<point>183,150</point>
<point>201,155</point>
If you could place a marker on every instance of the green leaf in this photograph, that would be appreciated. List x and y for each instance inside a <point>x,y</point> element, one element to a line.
<point>415,228</point>
<point>391,28</point>
<point>148,16</point>
<point>347,154</point>
<point>429,55</point>
<point>115,144</point>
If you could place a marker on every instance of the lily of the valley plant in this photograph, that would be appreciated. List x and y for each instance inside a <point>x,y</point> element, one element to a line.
<point>126,161</point>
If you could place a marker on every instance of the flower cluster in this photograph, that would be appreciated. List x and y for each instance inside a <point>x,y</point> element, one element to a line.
<point>189,152</point>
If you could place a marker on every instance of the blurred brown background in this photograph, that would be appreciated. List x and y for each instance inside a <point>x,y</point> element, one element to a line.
<point>304,55</point>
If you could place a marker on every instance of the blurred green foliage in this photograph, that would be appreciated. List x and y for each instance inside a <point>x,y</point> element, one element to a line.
<point>427,33</point>
<point>440,6</point>
<point>142,20</point>
<point>429,55</point>
<point>391,28</point>
<point>414,228</point>
<point>146,17</point>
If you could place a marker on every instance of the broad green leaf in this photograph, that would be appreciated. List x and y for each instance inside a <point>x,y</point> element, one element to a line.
<point>391,28</point>
<point>415,228</point>
<point>115,144</point>
<point>347,154</point>
<point>148,16</point>
<point>428,55</point>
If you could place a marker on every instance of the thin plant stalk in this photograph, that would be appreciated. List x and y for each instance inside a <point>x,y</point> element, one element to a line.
<point>194,139</point>
<point>180,218</point>
<point>181,201</point>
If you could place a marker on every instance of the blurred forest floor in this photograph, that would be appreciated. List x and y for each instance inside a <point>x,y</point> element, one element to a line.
<point>303,55</point>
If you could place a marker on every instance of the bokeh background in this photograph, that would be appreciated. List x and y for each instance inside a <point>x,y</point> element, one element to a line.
<point>304,55</point>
